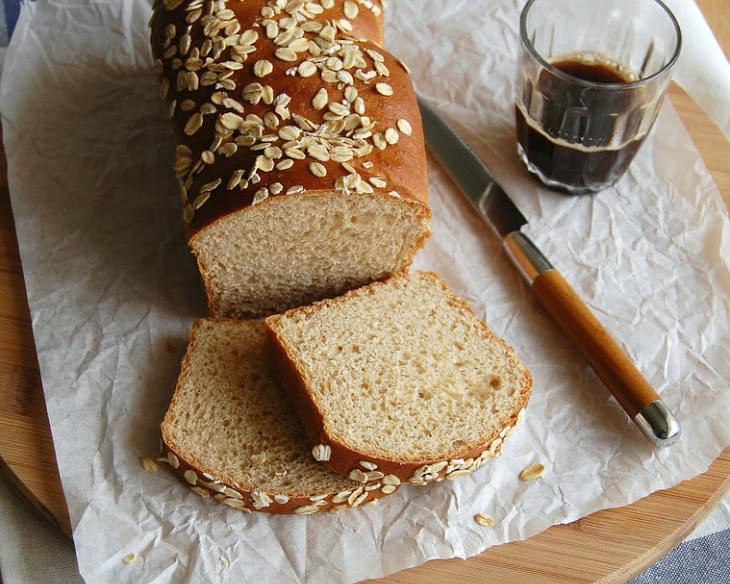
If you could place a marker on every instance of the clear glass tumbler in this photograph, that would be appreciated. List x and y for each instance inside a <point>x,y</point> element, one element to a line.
<point>591,79</point>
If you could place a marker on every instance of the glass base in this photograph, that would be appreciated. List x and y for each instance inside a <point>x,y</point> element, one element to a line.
<point>557,185</point>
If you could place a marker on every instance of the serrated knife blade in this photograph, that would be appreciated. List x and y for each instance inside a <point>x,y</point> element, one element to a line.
<point>611,363</point>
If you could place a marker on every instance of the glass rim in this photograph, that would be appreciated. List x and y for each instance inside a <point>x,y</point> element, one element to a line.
<point>572,78</point>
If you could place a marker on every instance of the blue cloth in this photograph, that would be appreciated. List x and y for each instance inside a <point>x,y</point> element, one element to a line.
<point>11,12</point>
<point>699,561</point>
<point>8,18</point>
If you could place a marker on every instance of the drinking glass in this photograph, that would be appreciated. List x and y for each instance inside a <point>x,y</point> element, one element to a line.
<point>591,78</point>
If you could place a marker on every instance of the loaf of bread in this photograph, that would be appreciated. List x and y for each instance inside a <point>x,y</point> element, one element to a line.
<point>300,153</point>
<point>400,379</point>
<point>231,433</point>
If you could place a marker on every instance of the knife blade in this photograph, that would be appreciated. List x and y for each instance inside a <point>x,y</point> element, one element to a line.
<point>610,362</point>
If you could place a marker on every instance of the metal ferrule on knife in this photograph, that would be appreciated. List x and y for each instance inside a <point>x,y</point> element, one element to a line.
<point>525,255</point>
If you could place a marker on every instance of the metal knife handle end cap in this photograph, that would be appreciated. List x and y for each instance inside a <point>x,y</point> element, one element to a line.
<point>658,424</point>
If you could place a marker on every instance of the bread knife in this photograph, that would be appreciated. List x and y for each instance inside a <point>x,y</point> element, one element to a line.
<point>610,362</point>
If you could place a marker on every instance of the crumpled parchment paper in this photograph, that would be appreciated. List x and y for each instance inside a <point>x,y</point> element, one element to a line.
<point>112,290</point>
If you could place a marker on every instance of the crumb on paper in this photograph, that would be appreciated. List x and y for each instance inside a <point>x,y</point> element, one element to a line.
<point>532,472</point>
<point>149,464</point>
<point>484,520</point>
<point>129,558</point>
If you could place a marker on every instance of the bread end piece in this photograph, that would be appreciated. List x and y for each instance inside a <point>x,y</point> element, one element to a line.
<point>231,435</point>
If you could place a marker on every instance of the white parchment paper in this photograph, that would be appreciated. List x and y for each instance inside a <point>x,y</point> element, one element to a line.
<point>703,69</point>
<point>112,290</point>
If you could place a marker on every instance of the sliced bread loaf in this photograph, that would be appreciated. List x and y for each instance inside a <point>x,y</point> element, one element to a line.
<point>400,379</point>
<point>299,149</point>
<point>232,434</point>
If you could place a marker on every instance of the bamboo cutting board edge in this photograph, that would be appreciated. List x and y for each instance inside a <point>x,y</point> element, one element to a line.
<point>607,547</point>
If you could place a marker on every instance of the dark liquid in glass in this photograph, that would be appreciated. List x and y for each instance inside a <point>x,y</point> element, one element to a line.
<point>549,147</point>
<point>595,72</point>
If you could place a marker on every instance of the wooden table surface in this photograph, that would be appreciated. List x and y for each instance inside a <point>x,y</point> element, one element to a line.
<point>609,546</point>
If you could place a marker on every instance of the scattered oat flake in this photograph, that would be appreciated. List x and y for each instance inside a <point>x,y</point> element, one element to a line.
<point>262,68</point>
<point>484,519</point>
<point>149,464</point>
<point>532,472</point>
<point>351,10</point>
<point>384,89</point>
<point>317,169</point>
<point>286,54</point>
<point>129,558</point>
<point>391,136</point>
<point>307,69</point>
<point>405,127</point>
<point>320,99</point>
<point>260,195</point>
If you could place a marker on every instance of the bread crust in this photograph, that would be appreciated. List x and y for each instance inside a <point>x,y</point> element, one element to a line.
<point>401,165</point>
<point>248,499</point>
<point>207,482</point>
<point>345,460</point>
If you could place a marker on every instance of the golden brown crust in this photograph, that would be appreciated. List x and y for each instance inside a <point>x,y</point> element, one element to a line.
<point>345,460</point>
<point>402,165</point>
<point>209,486</point>
<point>181,380</point>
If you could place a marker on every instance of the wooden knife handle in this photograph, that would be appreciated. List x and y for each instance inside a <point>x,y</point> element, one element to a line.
<point>636,396</point>
<point>608,359</point>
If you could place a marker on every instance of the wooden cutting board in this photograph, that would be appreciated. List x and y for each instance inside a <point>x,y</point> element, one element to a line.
<point>607,547</point>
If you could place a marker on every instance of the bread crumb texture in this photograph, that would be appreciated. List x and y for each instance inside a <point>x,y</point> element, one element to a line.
<point>296,250</point>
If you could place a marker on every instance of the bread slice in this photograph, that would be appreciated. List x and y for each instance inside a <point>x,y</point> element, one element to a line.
<point>400,378</point>
<point>231,433</point>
